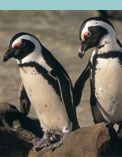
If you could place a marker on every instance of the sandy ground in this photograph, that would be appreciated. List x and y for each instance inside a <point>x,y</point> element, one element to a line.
<point>58,31</point>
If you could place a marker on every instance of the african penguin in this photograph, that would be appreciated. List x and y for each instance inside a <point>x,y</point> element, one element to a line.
<point>48,88</point>
<point>104,69</point>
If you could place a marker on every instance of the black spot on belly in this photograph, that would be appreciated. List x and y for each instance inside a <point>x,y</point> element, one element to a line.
<point>113,102</point>
<point>66,129</point>
<point>34,71</point>
<point>58,118</point>
<point>45,106</point>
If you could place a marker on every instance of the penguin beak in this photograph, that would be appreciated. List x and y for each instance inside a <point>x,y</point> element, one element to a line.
<point>82,49</point>
<point>9,54</point>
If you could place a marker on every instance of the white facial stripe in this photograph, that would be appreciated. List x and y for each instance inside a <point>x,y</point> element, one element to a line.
<point>27,37</point>
<point>37,51</point>
<point>19,40</point>
<point>97,23</point>
<point>35,56</point>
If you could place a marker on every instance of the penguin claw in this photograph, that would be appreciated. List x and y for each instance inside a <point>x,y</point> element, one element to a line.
<point>35,141</point>
<point>40,143</point>
<point>57,144</point>
<point>44,142</point>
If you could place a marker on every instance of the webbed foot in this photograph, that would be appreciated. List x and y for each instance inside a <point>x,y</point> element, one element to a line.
<point>40,143</point>
<point>59,143</point>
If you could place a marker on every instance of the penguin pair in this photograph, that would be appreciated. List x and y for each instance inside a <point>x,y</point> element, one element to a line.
<point>47,86</point>
<point>104,69</point>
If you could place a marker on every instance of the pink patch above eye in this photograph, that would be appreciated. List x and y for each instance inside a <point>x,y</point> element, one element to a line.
<point>16,44</point>
<point>85,34</point>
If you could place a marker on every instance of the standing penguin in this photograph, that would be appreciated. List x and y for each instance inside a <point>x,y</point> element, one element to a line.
<point>104,69</point>
<point>48,88</point>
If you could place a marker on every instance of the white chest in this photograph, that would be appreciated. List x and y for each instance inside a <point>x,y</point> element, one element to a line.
<point>108,87</point>
<point>48,105</point>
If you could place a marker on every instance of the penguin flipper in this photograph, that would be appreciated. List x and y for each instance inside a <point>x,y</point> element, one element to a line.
<point>66,90</point>
<point>24,100</point>
<point>79,85</point>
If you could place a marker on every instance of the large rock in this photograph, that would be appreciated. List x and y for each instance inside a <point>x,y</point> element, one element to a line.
<point>17,130</point>
<point>84,142</point>
<point>11,145</point>
<point>12,119</point>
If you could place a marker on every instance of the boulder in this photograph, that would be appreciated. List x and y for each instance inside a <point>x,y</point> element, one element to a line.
<point>17,130</point>
<point>12,145</point>
<point>84,142</point>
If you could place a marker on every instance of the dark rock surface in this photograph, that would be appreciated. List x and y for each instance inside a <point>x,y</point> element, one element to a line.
<point>17,130</point>
<point>11,144</point>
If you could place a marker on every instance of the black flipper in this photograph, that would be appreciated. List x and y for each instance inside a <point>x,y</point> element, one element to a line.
<point>79,85</point>
<point>66,91</point>
<point>24,100</point>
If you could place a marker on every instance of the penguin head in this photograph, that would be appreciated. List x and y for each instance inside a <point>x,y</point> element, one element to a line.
<point>21,45</point>
<point>92,32</point>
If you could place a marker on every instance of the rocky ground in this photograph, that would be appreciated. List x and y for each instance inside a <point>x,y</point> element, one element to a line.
<point>17,132</point>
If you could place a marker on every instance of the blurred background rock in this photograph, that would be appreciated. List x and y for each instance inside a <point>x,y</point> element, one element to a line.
<point>59,32</point>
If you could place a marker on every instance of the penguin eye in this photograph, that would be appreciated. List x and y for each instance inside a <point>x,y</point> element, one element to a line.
<point>89,34</point>
<point>22,45</point>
